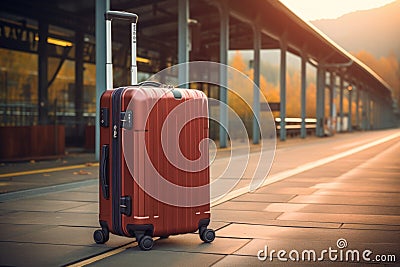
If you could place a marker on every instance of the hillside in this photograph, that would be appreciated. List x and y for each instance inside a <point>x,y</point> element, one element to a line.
<point>376,30</point>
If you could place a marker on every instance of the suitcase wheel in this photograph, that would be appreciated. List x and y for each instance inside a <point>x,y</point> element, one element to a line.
<point>146,243</point>
<point>207,235</point>
<point>100,236</point>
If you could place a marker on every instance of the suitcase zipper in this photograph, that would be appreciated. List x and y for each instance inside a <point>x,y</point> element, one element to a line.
<point>115,131</point>
<point>116,161</point>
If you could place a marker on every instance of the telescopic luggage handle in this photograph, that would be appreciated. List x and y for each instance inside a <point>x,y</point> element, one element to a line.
<point>132,18</point>
<point>121,15</point>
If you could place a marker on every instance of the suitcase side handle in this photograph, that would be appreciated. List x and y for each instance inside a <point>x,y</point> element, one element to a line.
<point>132,18</point>
<point>104,172</point>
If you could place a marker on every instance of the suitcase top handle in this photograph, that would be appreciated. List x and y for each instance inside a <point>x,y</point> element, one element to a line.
<point>110,15</point>
<point>151,83</point>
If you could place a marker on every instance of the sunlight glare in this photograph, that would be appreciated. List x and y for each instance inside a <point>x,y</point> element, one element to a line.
<point>330,9</point>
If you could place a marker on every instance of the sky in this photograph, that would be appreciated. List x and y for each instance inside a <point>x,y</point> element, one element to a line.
<point>330,9</point>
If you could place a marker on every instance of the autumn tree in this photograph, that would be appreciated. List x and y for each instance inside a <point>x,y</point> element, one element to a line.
<point>386,67</point>
<point>270,90</point>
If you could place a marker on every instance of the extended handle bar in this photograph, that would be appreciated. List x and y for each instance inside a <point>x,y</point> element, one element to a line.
<point>110,15</point>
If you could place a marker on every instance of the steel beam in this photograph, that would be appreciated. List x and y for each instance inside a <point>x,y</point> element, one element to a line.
<point>332,96</point>
<point>320,112</point>
<point>101,7</point>
<point>63,57</point>
<point>256,89</point>
<point>303,130</point>
<point>387,116</point>
<point>42,73</point>
<point>79,83</point>
<point>377,114</point>
<point>358,107</point>
<point>183,42</point>
<point>381,114</point>
<point>283,89</point>
<point>374,110</point>
<point>350,128</point>
<point>368,111</point>
<point>341,88</point>
<point>223,94</point>
<point>364,110</point>
<point>385,110</point>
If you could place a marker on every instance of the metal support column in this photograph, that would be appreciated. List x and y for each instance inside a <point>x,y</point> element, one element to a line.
<point>363,111</point>
<point>43,101</point>
<point>388,119</point>
<point>386,115</point>
<point>320,112</point>
<point>223,93</point>
<point>350,115</point>
<point>379,115</point>
<point>389,116</point>
<point>183,42</point>
<point>368,101</point>
<point>256,89</point>
<point>303,130</point>
<point>341,88</point>
<point>371,111</point>
<point>332,106</point>
<point>358,106</point>
<point>163,65</point>
<point>79,84</point>
<point>382,114</point>
<point>282,90</point>
<point>101,7</point>
<point>377,107</point>
<point>373,114</point>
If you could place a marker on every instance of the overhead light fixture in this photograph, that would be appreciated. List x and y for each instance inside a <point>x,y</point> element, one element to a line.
<point>143,60</point>
<point>55,41</point>
<point>349,87</point>
<point>313,62</point>
<point>59,42</point>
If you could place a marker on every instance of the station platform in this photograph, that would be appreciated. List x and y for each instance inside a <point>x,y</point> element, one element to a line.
<point>337,197</point>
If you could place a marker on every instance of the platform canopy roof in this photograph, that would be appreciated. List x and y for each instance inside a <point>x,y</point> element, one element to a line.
<point>158,31</point>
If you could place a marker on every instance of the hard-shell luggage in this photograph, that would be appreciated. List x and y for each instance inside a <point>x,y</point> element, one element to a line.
<point>154,166</point>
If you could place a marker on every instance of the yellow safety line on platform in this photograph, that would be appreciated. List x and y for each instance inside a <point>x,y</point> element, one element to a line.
<point>56,169</point>
<point>104,255</point>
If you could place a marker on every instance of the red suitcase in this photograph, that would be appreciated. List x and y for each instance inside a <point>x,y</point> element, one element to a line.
<point>154,175</point>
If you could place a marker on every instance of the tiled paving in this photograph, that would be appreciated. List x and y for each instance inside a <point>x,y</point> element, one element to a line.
<point>356,198</point>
